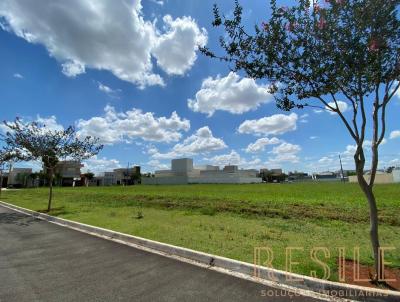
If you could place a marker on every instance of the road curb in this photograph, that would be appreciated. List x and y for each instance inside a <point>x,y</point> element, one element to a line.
<point>272,277</point>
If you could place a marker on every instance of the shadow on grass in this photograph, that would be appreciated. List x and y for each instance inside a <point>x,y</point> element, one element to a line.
<point>56,211</point>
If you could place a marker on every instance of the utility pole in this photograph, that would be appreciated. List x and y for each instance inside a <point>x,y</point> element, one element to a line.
<point>341,167</point>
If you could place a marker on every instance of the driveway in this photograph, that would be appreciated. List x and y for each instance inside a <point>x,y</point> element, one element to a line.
<point>41,261</point>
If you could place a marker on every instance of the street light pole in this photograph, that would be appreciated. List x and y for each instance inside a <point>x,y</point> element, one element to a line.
<point>341,168</point>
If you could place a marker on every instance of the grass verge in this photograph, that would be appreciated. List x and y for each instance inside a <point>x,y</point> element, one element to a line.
<point>231,220</point>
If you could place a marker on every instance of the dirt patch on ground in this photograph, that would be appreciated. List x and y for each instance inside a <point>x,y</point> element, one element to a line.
<point>392,276</point>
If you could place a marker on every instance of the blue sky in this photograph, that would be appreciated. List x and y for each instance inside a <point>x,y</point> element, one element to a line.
<point>120,69</point>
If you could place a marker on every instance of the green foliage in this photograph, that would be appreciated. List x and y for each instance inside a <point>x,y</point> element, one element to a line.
<point>346,46</point>
<point>89,175</point>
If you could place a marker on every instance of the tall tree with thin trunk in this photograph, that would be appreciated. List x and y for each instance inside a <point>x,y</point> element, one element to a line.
<point>34,141</point>
<point>323,55</point>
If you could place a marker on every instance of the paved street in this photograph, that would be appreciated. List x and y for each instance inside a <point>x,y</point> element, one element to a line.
<point>40,261</point>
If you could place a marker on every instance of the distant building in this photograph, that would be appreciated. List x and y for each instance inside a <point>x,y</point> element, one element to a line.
<point>326,176</point>
<point>381,177</point>
<point>121,176</point>
<point>19,178</point>
<point>272,175</point>
<point>129,176</point>
<point>5,180</point>
<point>299,176</point>
<point>183,172</point>
<point>68,173</point>
<point>396,175</point>
<point>96,181</point>
<point>108,178</point>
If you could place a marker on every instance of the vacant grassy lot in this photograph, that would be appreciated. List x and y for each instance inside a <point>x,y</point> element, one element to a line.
<point>230,220</point>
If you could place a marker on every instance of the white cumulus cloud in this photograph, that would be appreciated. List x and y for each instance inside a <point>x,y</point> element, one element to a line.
<point>343,107</point>
<point>270,125</point>
<point>394,134</point>
<point>98,165</point>
<point>175,50</point>
<point>115,127</point>
<point>105,35</point>
<point>285,152</point>
<point>260,144</point>
<point>72,68</point>
<point>113,93</point>
<point>50,123</point>
<point>233,158</point>
<point>201,142</point>
<point>155,164</point>
<point>230,94</point>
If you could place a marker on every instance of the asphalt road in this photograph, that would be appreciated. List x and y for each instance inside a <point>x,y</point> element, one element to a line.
<point>40,261</point>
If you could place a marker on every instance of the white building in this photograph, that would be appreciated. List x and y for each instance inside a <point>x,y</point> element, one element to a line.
<point>19,177</point>
<point>183,172</point>
<point>122,176</point>
<point>381,177</point>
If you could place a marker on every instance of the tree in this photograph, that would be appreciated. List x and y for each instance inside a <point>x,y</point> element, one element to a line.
<point>5,157</point>
<point>324,55</point>
<point>390,169</point>
<point>34,141</point>
<point>88,177</point>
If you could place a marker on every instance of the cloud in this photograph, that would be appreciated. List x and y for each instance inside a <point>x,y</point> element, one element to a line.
<point>326,160</point>
<point>155,164</point>
<point>394,134</point>
<point>260,144</point>
<point>107,35</point>
<point>50,123</point>
<point>97,165</point>
<point>233,158</point>
<point>368,143</point>
<point>343,107</point>
<point>105,88</point>
<point>176,49</point>
<point>115,127</point>
<point>230,94</point>
<point>303,118</point>
<point>286,148</point>
<point>395,162</point>
<point>108,90</point>
<point>331,161</point>
<point>18,75</point>
<point>397,94</point>
<point>159,2</point>
<point>201,142</point>
<point>313,137</point>
<point>285,152</point>
<point>270,125</point>
<point>72,68</point>
<point>3,128</point>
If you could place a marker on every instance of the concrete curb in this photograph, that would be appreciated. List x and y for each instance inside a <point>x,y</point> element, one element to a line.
<point>318,288</point>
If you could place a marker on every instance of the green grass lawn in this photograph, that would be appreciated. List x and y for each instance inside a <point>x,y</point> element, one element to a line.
<point>231,220</point>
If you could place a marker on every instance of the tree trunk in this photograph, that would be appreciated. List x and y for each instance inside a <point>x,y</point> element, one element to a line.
<point>51,177</point>
<point>373,213</point>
